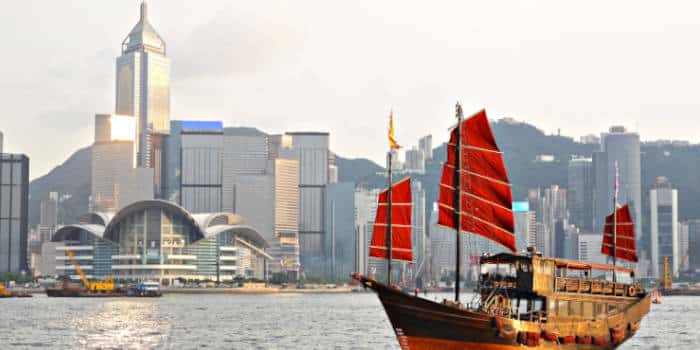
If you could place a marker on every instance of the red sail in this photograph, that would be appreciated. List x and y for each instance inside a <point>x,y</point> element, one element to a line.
<point>485,189</point>
<point>401,208</point>
<point>625,247</point>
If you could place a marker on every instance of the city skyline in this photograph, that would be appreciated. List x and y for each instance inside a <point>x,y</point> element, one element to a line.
<point>255,64</point>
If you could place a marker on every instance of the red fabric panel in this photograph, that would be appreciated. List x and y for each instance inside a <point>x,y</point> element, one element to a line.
<point>506,239</point>
<point>626,239</point>
<point>489,164</point>
<point>476,132</point>
<point>486,194</point>
<point>495,192</point>
<point>401,211</point>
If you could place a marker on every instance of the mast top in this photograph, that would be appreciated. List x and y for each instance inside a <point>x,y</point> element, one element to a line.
<point>458,110</point>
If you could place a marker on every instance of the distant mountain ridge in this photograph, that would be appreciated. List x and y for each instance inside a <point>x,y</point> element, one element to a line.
<point>520,142</point>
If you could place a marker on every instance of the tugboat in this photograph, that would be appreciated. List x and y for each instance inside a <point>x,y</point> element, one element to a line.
<point>523,300</point>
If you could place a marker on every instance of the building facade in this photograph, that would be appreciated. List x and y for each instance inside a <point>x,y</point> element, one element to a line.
<point>425,144</point>
<point>14,210</point>
<point>365,212</point>
<point>580,193</point>
<point>665,239</point>
<point>115,182</point>
<point>311,150</point>
<point>621,147</point>
<point>159,240</point>
<point>340,243</point>
<point>143,91</point>
<point>525,228</point>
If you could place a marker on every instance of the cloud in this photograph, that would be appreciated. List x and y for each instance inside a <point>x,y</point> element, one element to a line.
<point>237,41</point>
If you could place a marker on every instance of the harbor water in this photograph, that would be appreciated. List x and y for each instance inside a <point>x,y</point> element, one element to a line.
<point>273,321</point>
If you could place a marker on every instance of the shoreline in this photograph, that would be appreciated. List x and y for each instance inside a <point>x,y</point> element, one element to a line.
<point>254,291</point>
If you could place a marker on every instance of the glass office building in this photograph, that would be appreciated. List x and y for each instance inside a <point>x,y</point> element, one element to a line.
<point>159,240</point>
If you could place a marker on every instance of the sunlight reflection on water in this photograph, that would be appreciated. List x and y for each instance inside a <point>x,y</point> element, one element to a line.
<point>289,321</point>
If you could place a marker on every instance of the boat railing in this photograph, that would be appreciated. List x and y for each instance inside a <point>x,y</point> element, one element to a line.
<point>594,286</point>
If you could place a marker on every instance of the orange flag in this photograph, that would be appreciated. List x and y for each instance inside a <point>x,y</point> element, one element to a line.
<point>392,142</point>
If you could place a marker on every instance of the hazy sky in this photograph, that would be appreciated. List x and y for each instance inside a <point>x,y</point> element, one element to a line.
<point>339,66</point>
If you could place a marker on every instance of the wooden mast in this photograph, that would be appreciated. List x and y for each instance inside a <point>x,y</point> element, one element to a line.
<point>614,242</point>
<point>458,199</point>
<point>388,219</point>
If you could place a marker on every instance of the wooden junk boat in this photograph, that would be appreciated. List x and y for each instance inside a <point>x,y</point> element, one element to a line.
<point>522,300</point>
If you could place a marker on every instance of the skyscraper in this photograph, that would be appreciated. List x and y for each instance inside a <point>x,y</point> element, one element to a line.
<point>580,193</point>
<point>340,244</point>
<point>622,147</point>
<point>426,144</point>
<point>693,244</point>
<point>14,199</point>
<point>194,167</point>
<point>525,228</point>
<point>260,182</point>
<point>415,161</point>
<point>365,211</point>
<point>115,181</point>
<point>48,217</point>
<point>143,91</point>
<point>418,235</point>
<point>311,150</point>
<point>663,201</point>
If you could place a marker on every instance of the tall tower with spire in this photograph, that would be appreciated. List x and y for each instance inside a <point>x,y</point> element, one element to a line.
<point>143,91</point>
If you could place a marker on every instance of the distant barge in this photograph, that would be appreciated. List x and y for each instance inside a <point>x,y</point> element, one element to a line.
<point>75,291</point>
<point>680,292</point>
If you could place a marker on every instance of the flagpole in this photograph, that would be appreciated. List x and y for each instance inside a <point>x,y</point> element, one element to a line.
<point>458,199</point>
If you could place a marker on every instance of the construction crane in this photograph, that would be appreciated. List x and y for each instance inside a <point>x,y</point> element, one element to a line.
<point>667,282</point>
<point>100,286</point>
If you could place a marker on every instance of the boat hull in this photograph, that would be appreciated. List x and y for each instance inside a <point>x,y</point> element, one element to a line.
<point>74,292</point>
<point>424,324</point>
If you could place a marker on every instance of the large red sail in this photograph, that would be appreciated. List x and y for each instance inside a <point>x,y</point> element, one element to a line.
<point>401,208</point>
<point>485,194</point>
<point>625,247</point>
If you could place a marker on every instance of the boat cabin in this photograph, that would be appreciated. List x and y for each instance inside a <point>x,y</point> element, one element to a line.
<point>535,288</point>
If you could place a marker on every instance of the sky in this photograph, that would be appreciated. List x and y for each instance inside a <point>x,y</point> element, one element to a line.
<point>341,66</point>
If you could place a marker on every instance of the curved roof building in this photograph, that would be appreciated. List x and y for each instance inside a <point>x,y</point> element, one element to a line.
<point>157,239</point>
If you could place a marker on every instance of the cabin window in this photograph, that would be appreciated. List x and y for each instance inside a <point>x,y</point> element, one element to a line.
<point>588,309</point>
<point>552,307</point>
<point>574,308</point>
<point>538,305</point>
<point>599,310</point>
<point>612,308</point>
<point>563,308</point>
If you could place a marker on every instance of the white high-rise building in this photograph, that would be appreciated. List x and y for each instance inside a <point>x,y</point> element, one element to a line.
<point>665,240</point>
<point>365,212</point>
<point>310,149</point>
<point>426,144</point>
<point>525,226</point>
<point>415,161</point>
<point>143,89</point>
<point>589,247</point>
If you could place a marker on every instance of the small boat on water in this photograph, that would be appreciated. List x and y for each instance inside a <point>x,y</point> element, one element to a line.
<point>522,300</point>
<point>99,289</point>
<point>4,293</point>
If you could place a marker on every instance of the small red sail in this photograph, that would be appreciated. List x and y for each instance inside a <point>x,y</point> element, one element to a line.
<point>401,208</point>
<point>625,247</point>
<point>486,195</point>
